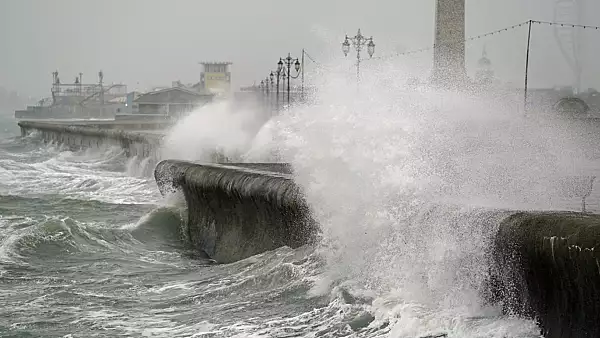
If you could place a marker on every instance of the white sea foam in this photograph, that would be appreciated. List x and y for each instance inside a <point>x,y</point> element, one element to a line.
<point>93,174</point>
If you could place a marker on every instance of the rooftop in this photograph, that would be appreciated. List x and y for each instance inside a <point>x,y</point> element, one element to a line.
<point>171,95</point>
<point>215,62</point>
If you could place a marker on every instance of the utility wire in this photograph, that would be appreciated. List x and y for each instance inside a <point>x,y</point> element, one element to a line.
<point>562,24</point>
<point>477,37</point>
<point>498,31</point>
<point>311,58</point>
<point>472,38</point>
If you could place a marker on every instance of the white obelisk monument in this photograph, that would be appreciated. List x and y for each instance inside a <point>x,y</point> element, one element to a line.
<point>449,52</point>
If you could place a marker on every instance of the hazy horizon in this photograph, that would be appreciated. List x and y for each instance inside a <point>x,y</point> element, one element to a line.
<point>152,43</point>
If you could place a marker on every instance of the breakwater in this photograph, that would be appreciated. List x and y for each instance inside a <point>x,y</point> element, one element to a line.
<point>141,143</point>
<point>545,265</point>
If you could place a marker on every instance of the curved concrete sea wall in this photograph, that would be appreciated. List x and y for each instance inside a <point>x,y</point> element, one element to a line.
<point>135,143</point>
<point>548,268</point>
<point>238,210</point>
<point>546,265</point>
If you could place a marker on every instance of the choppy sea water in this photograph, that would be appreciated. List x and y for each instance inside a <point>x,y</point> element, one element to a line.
<point>89,248</point>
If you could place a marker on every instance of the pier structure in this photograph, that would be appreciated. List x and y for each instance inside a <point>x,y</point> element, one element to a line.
<point>78,99</point>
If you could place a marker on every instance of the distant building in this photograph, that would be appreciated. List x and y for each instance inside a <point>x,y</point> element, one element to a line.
<point>548,99</point>
<point>485,73</point>
<point>78,100</point>
<point>126,102</point>
<point>216,77</point>
<point>173,102</point>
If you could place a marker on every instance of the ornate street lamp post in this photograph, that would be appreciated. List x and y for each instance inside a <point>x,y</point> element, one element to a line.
<point>358,41</point>
<point>284,68</point>
<point>270,81</point>
<point>279,74</point>
<point>267,85</point>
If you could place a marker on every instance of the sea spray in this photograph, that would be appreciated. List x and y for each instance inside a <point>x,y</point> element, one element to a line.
<point>262,148</point>
<point>408,187</point>
<point>217,131</point>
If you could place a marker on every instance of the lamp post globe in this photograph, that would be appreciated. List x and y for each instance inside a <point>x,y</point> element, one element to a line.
<point>371,47</point>
<point>346,46</point>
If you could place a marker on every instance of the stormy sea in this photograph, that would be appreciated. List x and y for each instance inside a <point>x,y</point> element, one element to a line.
<point>408,194</point>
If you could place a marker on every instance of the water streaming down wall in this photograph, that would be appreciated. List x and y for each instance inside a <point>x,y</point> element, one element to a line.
<point>547,267</point>
<point>546,264</point>
<point>238,210</point>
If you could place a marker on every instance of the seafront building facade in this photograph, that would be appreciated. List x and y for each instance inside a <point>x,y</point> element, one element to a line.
<point>78,100</point>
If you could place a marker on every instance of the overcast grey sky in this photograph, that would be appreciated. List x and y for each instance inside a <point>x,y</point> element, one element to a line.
<point>153,42</point>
